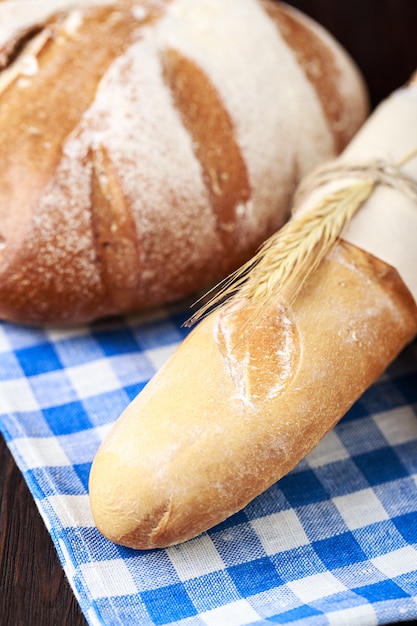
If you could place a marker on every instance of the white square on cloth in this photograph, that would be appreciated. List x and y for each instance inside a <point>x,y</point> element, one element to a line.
<point>102,431</point>
<point>398,426</point>
<point>329,449</point>
<point>360,509</point>
<point>72,510</point>
<point>17,396</point>
<point>363,615</point>
<point>316,587</point>
<point>195,558</point>
<point>159,356</point>
<point>4,342</point>
<point>108,578</point>
<point>234,614</point>
<point>280,532</point>
<point>95,378</point>
<point>56,334</point>
<point>396,563</point>
<point>67,562</point>
<point>40,452</point>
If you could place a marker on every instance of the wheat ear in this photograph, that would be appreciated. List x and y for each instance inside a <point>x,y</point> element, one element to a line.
<point>287,259</point>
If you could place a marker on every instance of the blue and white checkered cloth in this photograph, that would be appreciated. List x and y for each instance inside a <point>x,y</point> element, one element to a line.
<point>333,543</point>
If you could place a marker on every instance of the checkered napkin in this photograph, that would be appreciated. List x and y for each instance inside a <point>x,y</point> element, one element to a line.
<point>334,542</point>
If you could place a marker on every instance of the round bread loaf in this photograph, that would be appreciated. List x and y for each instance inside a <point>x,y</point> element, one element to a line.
<point>147,148</point>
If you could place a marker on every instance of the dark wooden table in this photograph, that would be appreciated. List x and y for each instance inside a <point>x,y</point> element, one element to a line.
<point>378,34</point>
<point>33,587</point>
<point>381,36</point>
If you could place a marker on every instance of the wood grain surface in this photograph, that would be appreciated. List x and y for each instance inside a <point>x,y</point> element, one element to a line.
<point>381,36</point>
<point>33,587</point>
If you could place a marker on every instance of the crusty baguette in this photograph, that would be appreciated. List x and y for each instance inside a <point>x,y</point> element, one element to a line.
<point>246,396</point>
<point>148,148</point>
<point>198,443</point>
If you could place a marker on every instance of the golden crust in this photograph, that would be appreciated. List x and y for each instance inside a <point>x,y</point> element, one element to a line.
<point>199,443</point>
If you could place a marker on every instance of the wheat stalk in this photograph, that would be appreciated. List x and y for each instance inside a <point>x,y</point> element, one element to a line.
<point>291,255</point>
<point>287,259</point>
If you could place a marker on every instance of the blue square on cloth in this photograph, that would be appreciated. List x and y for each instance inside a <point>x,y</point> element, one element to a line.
<point>321,520</point>
<point>297,563</point>
<point>128,608</point>
<point>80,539</point>
<point>211,590</point>
<point>168,604</point>
<point>381,591</point>
<point>237,544</point>
<point>407,385</point>
<point>230,522</point>
<point>361,437</point>
<point>357,411</point>
<point>384,395</point>
<point>47,481</point>
<point>408,582</point>
<point>301,488</point>
<point>407,526</point>
<point>57,380</point>
<point>406,453</point>
<point>67,418</point>
<point>116,342</point>
<point>132,368</point>
<point>133,390</point>
<point>78,448</point>
<point>267,503</point>
<point>339,551</point>
<point>83,472</point>
<point>38,359</point>
<point>254,576</point>
<point>341,478</point>
<point>378,538</point>
<point>380,466</point>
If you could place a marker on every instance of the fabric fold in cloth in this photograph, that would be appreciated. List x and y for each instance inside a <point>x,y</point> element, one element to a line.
<point>334,542</point>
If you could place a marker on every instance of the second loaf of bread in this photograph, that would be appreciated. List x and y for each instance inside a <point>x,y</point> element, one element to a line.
<point>149,147</point>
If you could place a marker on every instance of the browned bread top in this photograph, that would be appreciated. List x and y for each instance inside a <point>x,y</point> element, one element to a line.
<point>148,148</point>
